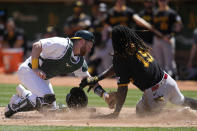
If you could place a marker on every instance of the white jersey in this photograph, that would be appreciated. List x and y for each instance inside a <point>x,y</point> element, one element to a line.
<point>55,48</point>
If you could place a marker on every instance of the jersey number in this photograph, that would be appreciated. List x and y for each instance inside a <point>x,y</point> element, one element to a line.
<point>145,58</point>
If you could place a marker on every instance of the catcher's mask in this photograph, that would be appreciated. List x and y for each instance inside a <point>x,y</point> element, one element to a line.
<point>76,98</point>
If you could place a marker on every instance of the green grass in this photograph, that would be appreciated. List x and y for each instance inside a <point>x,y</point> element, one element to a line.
<point>61,128</point>
<point>7,90</point>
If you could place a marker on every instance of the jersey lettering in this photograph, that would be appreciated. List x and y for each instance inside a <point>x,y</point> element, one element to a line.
<point>163,26</point>
<point>145,58</point>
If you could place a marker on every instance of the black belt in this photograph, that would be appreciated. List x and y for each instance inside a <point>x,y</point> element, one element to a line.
<point>30,65</point>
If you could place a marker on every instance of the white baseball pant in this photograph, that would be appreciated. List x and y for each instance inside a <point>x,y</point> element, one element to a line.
<point>155,99</point>
<point>37,86</point>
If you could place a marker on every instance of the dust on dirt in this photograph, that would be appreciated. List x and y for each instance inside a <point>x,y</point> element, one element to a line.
<point>181,117</point>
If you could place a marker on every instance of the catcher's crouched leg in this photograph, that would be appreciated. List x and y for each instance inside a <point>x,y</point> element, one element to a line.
<point>77,98</point>
<point>18,104</point>
<point>45,103</point>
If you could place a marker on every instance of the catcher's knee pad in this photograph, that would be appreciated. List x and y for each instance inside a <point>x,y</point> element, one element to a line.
<point>49,98</point>
<point>45,101</point>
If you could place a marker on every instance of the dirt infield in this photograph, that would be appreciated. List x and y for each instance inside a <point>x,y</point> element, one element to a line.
<point>169,118</point>
<point>128,118</point>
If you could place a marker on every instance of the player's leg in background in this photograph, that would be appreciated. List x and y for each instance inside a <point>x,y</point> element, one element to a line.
<point>158,51</point>
<point>169,57</point>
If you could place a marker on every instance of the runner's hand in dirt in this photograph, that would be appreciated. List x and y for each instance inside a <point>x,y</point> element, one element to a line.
<point>111,99</point>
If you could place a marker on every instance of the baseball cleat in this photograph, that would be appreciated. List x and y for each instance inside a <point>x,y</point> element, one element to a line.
<point>9,112</point>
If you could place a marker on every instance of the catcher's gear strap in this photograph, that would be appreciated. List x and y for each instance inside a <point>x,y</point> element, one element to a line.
<point>23,105</point>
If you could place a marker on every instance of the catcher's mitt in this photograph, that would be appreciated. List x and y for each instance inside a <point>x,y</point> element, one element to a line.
<point>111,99</point>
<point>76,98</point>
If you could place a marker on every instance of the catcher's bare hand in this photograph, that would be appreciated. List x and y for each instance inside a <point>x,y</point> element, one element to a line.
<point>111,99</point>
<point>39,73</point>
<point>88,81</point>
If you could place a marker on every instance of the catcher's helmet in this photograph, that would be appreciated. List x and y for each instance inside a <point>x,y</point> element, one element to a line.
<point>83,34</point>
<point>76,98</point>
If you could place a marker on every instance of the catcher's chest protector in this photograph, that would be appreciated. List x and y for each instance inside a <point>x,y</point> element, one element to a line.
<point>66,64</point>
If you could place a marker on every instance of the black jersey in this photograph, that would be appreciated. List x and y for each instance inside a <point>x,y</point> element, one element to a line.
<point>97,27</point>
<point>164,20</point>
<point>140,69</point>
<point>120,18</point>
<point>147,36</point>
<point>18,35</point>
<point>73,21</point>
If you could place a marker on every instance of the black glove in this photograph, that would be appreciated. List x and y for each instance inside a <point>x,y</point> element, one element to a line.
<point>88,81</point>
<point>76,98</point>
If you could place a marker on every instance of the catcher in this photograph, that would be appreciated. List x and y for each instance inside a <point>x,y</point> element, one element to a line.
<point>133,63</point>
<point>52,57</point>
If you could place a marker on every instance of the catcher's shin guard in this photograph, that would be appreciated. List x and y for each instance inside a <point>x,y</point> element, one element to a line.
<point>192,103</point>
<point>18,104</point>
<point>9,112</point>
